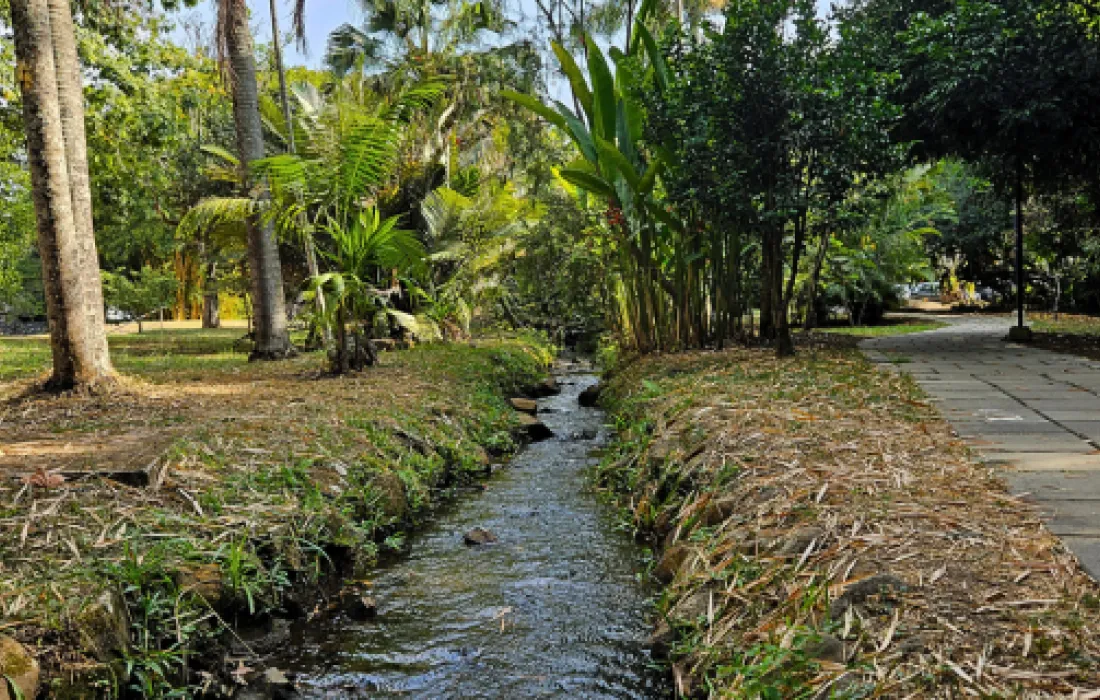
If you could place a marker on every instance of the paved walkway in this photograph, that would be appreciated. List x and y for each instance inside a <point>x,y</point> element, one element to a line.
<point>1035,412</point>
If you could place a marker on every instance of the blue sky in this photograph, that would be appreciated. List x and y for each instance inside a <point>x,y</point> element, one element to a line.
<point>322,16</point>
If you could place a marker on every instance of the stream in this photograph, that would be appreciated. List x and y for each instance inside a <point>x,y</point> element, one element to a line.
<point>554,609</point>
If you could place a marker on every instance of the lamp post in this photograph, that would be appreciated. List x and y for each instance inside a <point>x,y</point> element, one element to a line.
<point>1019,332</point>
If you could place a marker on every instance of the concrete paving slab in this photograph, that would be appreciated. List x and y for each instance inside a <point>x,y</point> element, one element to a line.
<point>1008,443</point>
<point>1033,412</point>
<point>1090,429</point>
<point>1050,406</point>
<point>1084,525</point>
<point>1076,417</point>
<point>1027,396</point>
<point>1056,486</point>
<point>1087,550</point>
<point>1044,461</point>
<point>993,428</point>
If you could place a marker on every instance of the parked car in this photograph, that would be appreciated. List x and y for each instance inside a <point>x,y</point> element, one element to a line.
<point>118,315</point>
<point>928,291</point>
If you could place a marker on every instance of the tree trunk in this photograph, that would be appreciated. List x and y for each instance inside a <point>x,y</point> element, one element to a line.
<point>211,310</point>
<point>211,302</point>
<point>811,291</point>
<point>785,346</point>
<point>53,115</point>
<point>272,340</point>
<point>771,282</point>
<point>1057,294</point>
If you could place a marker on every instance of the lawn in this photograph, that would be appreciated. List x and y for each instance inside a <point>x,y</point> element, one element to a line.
<point>1071,334</point>
<point>154,355</point>
<point>266,479</point>
<point>1069,324</point>
<point>889,327</point>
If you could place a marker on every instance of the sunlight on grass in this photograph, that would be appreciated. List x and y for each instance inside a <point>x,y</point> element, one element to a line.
<point>147,353</point>
<point>884,330</point>
<point>1069,324</point>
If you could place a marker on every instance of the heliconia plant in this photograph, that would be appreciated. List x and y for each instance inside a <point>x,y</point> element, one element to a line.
<point>616,166</point>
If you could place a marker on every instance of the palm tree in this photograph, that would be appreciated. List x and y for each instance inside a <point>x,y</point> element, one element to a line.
<point>348,147</point>
<point>308,244</point>
<point>362,249</point>
<point>53,114</point>
<point>235,48</point>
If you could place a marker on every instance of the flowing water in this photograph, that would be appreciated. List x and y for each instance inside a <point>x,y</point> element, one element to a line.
<point>554,609</point>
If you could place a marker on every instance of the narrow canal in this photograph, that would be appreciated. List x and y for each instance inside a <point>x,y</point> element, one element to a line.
<point>553,609</point>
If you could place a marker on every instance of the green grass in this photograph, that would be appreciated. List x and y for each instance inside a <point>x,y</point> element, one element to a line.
<point>147,354</point>
<point>1066,324</point>
<point>887,329</point>
<point>283,466</point>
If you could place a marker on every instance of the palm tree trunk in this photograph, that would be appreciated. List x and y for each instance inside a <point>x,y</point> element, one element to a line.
<point>292,147</point>
<point>53,114</point>
<point>272,340</point>
<point>211,302</point>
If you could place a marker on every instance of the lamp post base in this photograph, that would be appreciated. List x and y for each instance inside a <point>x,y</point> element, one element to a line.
<point>1019,334</point>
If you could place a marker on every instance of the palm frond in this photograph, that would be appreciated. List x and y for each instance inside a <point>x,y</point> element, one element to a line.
<point>217,213</point>
<point>350,47</point>
<point>368,155</point>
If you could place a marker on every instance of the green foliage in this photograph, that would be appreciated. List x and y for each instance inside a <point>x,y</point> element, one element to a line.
<point>370,246</point>
<point>141,294</point>
<point>153,104</point>
<point>473,242</point>
<point>886,246</point>
<point>1006,81</point>
<point>20,285</point>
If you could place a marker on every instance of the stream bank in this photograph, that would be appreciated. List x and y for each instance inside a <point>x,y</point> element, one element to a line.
<point>275,482</point>
<point>553,607</point>
<point>821,533</point>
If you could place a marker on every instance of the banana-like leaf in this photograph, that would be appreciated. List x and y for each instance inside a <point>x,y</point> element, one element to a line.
<point>218,152</point>
<point>535,106</point>
<point>644,10</point>
<point>568,186</point>
<point>649,179</point>
<point>588,182</point>
<point>576,78</point>
<point>630,121</point>
<point>656,60</point>
<point>611,155</point>
<point>421,326</point>
<point>579,133</point>
<point>603,92</point>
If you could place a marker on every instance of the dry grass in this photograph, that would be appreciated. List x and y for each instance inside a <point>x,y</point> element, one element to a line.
<point>825,536</point>
<point>259,470</point>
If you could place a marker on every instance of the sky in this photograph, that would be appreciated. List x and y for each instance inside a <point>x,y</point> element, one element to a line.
<point>322,16</point>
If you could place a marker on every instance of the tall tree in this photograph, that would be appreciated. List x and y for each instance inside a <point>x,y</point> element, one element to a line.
<point>1010,83</point>
<point>272,339</point>
<point>53,114</point>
